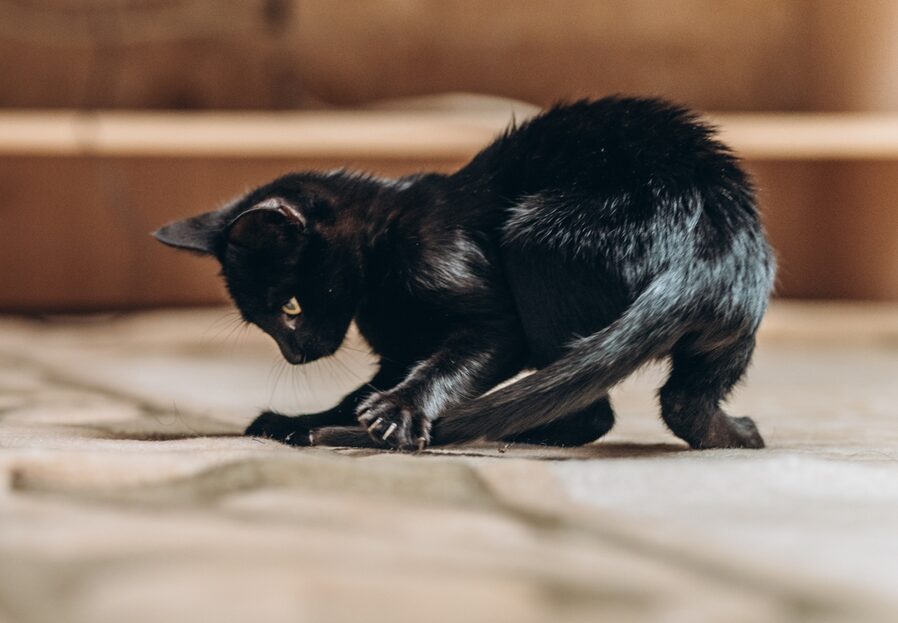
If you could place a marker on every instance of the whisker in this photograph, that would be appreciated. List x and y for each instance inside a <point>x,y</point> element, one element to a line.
<point>349,371</point>
<point>367,352</point>
<point>332,370</point>
<point>224,329</point>
<point>224,320</point>
<point>271,369</point>
<point>281,366</point>
<point>237,335</point>
<point>297,398</point>
<point>233,328</point>
<point>182,422</point>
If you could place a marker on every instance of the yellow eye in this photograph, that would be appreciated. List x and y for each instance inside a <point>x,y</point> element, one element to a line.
<point>291,307</point>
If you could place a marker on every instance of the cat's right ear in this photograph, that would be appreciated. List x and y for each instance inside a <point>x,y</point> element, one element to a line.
<point>200,234</point>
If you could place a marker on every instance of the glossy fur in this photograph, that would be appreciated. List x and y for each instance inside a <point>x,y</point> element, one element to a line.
<point>588,241</point>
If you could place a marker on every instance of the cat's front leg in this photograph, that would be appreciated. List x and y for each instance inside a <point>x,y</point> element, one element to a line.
<point>467,365</point>
<point>296,430</point>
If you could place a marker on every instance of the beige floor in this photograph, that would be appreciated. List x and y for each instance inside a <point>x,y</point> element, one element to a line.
<point>125,494</point>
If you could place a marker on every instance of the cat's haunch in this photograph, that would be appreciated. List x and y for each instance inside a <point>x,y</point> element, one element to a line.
<point>587,241</point>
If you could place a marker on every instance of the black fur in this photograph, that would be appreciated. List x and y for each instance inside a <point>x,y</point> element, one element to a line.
<point>588,241</point>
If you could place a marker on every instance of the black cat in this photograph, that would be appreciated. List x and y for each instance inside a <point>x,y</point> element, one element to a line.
<point>584,243</point>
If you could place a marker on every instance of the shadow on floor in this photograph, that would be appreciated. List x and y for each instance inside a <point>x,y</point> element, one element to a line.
<point>598,450</point>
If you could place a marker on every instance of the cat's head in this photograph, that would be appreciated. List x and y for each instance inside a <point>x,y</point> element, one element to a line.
<point>285,263</point>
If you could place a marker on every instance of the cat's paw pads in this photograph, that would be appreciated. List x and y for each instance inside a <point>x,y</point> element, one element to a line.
<point>394,422</point>
<point>289,430</point>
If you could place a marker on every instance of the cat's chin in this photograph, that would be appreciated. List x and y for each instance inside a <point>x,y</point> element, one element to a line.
<point>298,359</point>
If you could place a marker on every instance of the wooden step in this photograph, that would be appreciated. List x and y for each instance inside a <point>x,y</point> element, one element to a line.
<point>405,135</point>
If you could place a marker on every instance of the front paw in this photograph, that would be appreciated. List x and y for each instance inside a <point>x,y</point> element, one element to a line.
<point>289,430</point>
<point>394,422</point>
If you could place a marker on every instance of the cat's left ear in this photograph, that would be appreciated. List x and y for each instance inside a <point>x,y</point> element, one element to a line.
<point>268,224</point>
<point>200,234</point>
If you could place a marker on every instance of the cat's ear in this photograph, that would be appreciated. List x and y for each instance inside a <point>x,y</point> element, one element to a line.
<point>269,224</point>
<point>200,234</point>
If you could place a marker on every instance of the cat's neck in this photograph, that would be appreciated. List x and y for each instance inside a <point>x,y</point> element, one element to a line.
<point>382,208</point>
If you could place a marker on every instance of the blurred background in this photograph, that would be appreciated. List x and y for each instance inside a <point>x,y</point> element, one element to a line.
<point>127,490</point>
<point>119,115</point>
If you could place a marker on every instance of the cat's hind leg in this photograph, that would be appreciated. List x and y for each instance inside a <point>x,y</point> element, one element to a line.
<point>344,437</point>
<point>577,429</point>
<point>698,383</point>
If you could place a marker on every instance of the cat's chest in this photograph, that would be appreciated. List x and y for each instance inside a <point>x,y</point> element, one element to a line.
<point>400,325</point>
<point>404,311</point>
<point>424,289</point>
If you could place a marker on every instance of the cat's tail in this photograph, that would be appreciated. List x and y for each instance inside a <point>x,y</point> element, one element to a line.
<point>589,369</point>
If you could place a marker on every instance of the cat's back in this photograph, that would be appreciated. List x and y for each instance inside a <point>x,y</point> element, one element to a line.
<point>615,142</point>
<point>626,187</point>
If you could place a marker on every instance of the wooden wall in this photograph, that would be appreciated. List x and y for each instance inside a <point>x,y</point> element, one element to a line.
<point>77,230</point>
<point>282,54</point>
<point>75,225</point>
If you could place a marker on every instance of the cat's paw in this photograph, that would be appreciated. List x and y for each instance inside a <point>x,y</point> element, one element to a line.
<point>731,432</point>
<point>289,430</point>
<point>394,422</point>
<point>746,433</point>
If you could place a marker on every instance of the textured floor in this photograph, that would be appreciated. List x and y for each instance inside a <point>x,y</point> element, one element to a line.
<point>125,494</point>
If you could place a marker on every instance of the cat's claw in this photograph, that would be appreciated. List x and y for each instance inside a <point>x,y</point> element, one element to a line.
<point>395,422</point>
<point>378,425</point>
<point>390,430</point>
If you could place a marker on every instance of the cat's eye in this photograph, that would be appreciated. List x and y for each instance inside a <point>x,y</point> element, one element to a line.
<point>291,307</point>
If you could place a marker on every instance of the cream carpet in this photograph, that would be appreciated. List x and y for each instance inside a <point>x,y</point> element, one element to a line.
<point>128,496</point>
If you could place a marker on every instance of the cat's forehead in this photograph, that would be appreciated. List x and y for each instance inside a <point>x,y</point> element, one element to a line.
<point>256,289</point>
<point>258,269</point>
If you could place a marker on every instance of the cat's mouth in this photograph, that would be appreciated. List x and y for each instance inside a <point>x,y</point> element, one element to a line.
<point>294,358</point>
<point>290,351</point>
<point>295,355</point>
